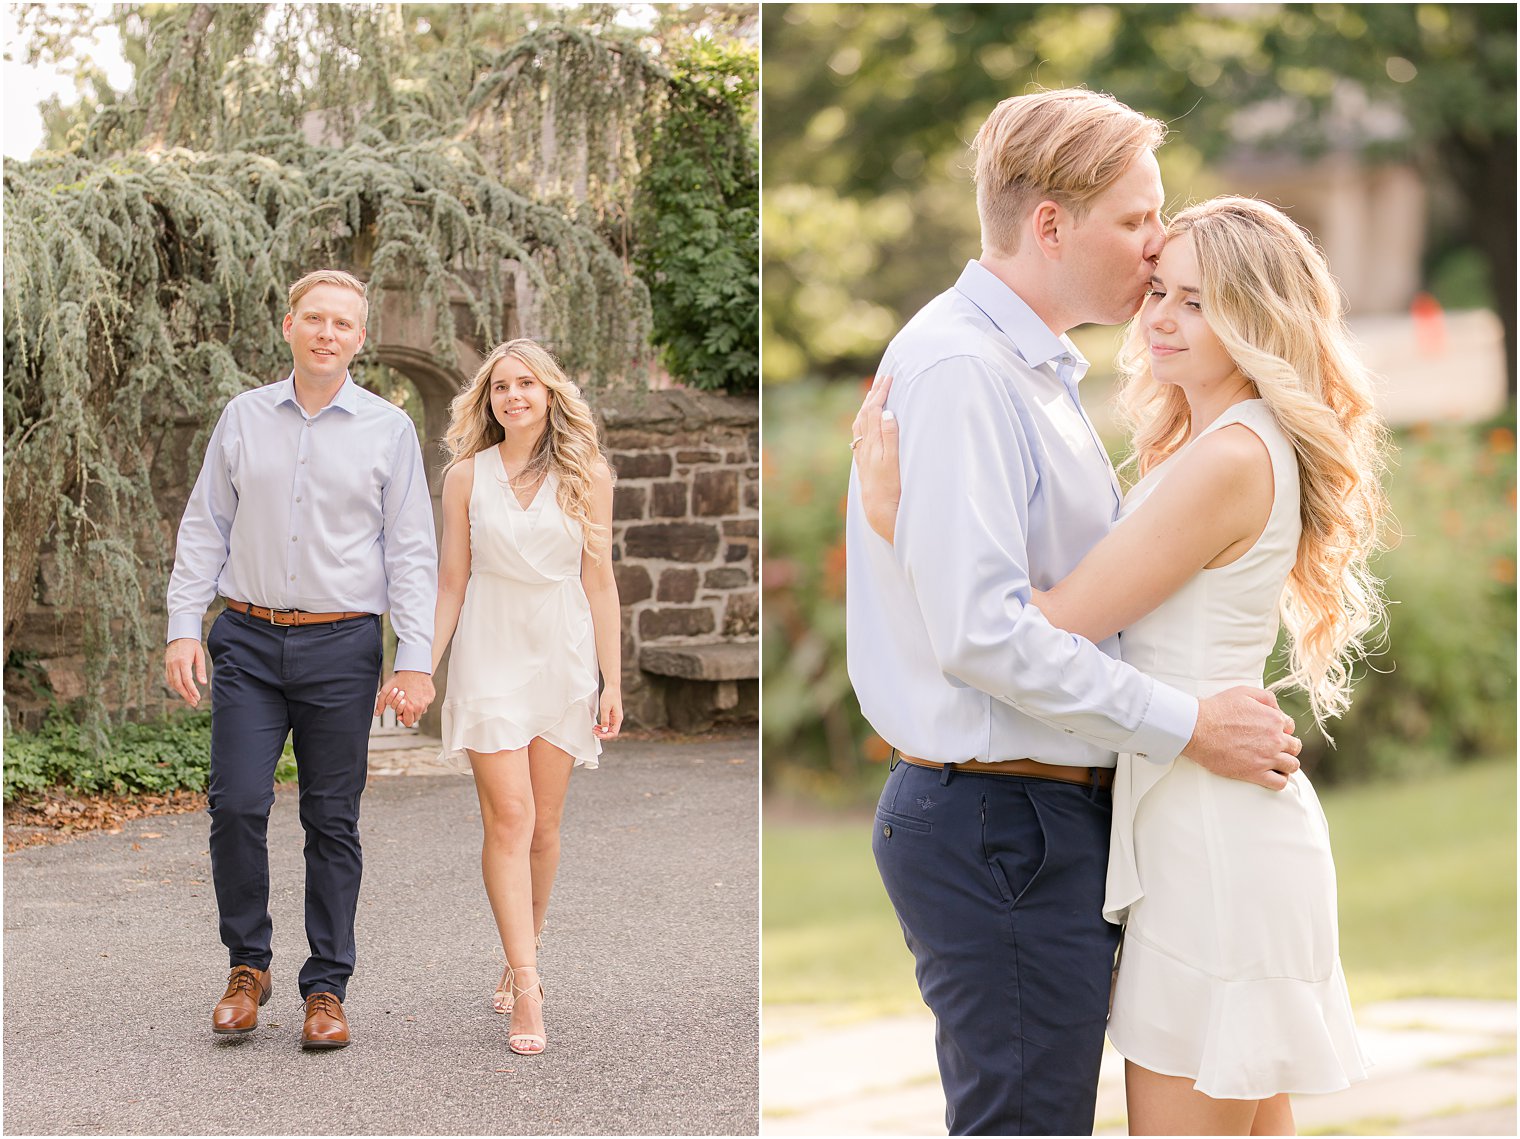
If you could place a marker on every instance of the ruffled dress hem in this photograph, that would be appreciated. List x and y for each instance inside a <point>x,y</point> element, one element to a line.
<point>485,729</point>
<point>1211,1030</point>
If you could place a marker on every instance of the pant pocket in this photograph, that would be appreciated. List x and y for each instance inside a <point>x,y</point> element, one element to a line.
<point>1014,842</point>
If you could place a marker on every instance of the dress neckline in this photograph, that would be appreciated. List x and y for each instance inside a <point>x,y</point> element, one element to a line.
<point>505,481</point>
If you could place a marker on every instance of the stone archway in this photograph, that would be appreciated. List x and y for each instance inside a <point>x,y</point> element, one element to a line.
<point>405,341</point>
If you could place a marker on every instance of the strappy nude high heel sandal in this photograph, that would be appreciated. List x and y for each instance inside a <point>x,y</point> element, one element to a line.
<point>501,1000</point>
<point>527,1043</point>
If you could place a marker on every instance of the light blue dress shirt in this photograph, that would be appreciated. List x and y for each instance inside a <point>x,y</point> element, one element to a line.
<point>1005,486</point>
<point>327,513</point>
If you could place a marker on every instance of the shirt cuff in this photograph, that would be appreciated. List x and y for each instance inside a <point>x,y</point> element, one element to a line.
<point>419,658</point>
<point>185,625</point>
<point>1169,722</point>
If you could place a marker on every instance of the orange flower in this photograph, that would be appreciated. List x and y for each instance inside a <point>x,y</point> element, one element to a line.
<point>876,749</point>
<point>1503,571</point>
<point>833,570</point>
<point>1501,440</point>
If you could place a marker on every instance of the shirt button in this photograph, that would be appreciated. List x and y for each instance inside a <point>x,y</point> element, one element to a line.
<point>886,831</point>
<point>308,423</point>
<point>293,538</point>
<point>298,498</point>
<point>292,577</point>
<point>303,462</point>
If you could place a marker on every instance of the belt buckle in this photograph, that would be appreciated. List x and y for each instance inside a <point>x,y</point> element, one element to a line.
<point>283,624</point>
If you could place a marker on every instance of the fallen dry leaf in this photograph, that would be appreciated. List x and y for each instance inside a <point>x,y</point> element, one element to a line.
<point>55,816</point>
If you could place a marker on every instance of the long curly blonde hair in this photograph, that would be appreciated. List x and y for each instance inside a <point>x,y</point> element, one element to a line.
<point>1268,295</point>
<point>569,446</point>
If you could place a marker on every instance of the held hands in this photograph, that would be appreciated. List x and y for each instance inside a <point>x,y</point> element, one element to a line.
<point>1242,734</point>
<point>409,693</point>
<point>874,441</point>
<point>184,664</point>
<point>609,720</point>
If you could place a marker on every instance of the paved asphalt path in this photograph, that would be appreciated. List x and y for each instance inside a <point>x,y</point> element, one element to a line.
<point>650,959</point>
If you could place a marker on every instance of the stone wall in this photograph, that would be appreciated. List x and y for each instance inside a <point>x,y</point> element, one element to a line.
<point>686,551</point>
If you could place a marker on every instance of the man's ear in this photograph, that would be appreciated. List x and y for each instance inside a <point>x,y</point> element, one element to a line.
<point>285,326</point>
<point>1047,227</point>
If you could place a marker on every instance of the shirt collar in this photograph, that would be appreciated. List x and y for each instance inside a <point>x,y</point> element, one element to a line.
<point>1017,321</point>
<point>347,398</point>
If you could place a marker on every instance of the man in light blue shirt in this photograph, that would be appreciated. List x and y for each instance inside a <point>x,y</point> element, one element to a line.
<point>311,517</point>
<point>992,833</point>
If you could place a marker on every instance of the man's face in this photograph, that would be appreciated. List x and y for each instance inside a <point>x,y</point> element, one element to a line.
<point>325,332</point>
<point>1113,249</point>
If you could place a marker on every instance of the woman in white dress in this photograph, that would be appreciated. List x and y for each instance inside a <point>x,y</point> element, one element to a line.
<point>1259,454</point>
<point>525,577</point>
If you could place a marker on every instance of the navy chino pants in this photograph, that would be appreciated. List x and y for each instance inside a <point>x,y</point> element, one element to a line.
<point>998,882</point>
<point>318,683</point>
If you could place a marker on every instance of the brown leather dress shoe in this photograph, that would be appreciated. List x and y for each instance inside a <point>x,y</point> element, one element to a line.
<point>326,1026</point>
<point>238,1010</point>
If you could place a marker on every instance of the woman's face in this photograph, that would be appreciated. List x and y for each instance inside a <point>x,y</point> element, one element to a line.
<point>519,401</point>
<point>1183,348</point>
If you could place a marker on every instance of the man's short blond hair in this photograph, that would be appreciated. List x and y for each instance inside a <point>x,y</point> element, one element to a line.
<point>328,277</point>
<point>1066,146</point>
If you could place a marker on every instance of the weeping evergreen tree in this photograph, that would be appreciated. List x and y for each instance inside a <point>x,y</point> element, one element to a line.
<point>435,149</point>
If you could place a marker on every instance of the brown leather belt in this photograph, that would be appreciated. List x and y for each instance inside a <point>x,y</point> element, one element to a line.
<point>1028,768</point>
<point>288,616</point>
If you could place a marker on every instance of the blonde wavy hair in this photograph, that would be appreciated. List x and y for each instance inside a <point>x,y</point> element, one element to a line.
<point>1268,295</point>
<point>569,446</point>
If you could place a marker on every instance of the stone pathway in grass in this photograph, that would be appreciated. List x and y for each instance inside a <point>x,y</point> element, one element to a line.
<point>1443,1067</point>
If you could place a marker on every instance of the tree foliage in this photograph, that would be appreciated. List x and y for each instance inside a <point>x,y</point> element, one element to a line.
<point>698,226</point>
<point>436,149</point>
<point>875,100</point>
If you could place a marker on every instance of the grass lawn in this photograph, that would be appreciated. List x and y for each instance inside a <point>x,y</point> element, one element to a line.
<point>1427,897</point>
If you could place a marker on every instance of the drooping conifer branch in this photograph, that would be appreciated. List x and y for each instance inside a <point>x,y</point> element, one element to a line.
<point>146,263</point>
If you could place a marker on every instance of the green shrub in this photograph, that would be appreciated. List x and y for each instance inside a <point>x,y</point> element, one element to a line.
<point>811,725</point>
<point>1443,689</point>
<point>163,755</point>
<point>1444,684</point>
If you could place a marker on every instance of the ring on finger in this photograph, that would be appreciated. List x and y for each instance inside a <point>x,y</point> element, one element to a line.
<point>855,442</point>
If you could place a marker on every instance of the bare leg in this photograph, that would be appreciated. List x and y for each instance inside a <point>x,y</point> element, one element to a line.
<point>506,813</point>
<point>550,768</point>
<point>1274,1117</point>
<point>1169,1105</point>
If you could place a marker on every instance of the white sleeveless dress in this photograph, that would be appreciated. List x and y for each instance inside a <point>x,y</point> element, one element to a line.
<point>524,655</point>
<point>1230,971</point>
